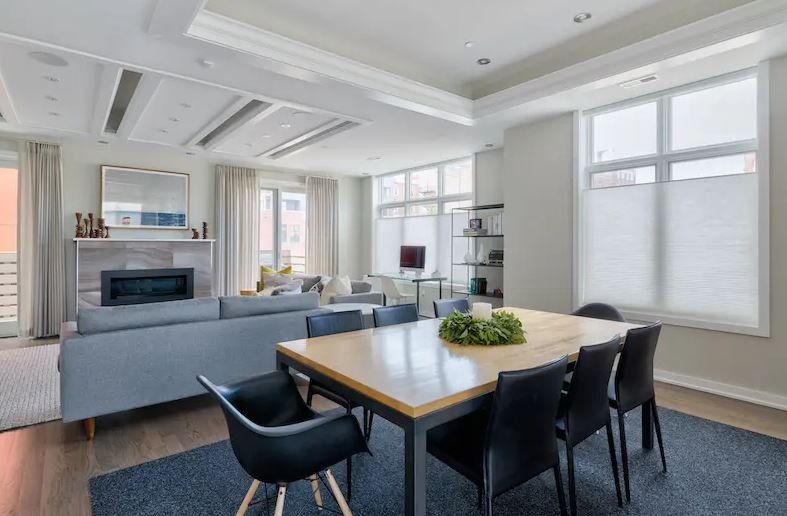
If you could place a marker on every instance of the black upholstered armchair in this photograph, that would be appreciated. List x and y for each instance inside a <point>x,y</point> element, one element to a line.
<point>278,439</point>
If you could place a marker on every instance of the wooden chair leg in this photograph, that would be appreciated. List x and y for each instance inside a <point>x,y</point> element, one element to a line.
<point>337,494</point>
<point>624,455</point>
<point>658,433</point>
<point>316,491</point>
<point>572,492</point>
<point>561,496</point>
<point>90,428</point>
<point>614,460</point>
<point>279,511</point>
<point>247,499</point>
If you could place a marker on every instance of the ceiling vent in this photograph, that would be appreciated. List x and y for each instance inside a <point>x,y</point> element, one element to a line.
<point>326,130</point>
<point>237,119</point>
<point>639,82</point>
<point>126,87</point>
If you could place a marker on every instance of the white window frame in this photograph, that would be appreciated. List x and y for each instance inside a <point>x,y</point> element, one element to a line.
<point>440,199</point>
<point>584,168</point>
<point>277,190</point>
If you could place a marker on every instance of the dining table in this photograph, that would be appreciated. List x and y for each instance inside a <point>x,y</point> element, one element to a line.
<point>411,377</point>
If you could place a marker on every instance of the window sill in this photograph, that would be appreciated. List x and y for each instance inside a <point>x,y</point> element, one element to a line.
<point>762,331</point>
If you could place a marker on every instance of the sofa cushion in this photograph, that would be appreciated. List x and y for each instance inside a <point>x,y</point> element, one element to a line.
<point>246,306</point>
<point>309,280</point>
<point>361,287</point>
<point>111,318</point>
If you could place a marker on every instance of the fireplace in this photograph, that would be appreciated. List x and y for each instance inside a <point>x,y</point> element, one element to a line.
<point>130,287</point>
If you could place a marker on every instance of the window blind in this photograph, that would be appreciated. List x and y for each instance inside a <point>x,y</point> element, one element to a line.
<point>677,248</point>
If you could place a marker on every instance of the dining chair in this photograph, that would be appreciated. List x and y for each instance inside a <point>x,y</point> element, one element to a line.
<point>331,324</point>
<point>584,408</point>
<point>445,307</point>
<point>396,314</point>
<point>278,439</point>
<point>512,440</point>
<point>599,311</point>
<point>392,292</point>
<point>633,387</point>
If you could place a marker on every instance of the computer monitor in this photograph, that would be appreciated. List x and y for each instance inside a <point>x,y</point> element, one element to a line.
<point>412,257</point>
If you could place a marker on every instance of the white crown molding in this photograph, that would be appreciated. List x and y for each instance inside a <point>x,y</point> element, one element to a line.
<point>727,390</point>
<point>6,104</point>
<point>173,17</point>
<point>727,25</point>
<point>384,86</point>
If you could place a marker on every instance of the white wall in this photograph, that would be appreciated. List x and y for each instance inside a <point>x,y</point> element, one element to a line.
<point>489,177</point>
<point>538,197</point>
<point>81,192</point>
<point>538,214</point>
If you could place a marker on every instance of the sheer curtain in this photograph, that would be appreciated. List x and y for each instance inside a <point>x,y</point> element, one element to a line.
<point>432,231</point>
<point>322,225</point>
<point>237,229</point>
<point>41,263</point>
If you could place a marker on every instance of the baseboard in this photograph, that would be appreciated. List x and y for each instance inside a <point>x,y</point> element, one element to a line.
<point>766,399</point>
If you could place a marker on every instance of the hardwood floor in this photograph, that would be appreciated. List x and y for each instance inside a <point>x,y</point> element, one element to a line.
<point>45,469</point>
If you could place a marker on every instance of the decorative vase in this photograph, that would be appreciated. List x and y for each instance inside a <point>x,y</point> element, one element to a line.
<point>481,256</point>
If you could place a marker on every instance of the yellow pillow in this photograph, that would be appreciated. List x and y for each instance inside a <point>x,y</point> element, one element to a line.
<point>264,269</point>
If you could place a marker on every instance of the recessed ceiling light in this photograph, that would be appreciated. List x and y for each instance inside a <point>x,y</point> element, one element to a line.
<point>48,59</point>
<point>189,153</point>
<point>51,78</point>
<point>469,44</point>
<point>247,144</point>
<point>285,126</point>
<point>374,158</point>
<point>163,131</point>
<point>266,136</point>
<point>484,61</point>
<point>582,17</point>
<point>185,105</point>
<point>54,113</point>
<point>174,119</point>
<point>300,113</point>
<point>489,145</point>
<point>205,63</point>
<point>103,142</point>
<point>50,98</point>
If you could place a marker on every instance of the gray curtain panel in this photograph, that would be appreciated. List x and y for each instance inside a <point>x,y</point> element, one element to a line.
<point>237,229</point>
<point>41,263</point>
<point>322,225</point>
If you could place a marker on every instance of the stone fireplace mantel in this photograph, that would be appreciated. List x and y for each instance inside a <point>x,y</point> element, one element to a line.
<point>94,255</point>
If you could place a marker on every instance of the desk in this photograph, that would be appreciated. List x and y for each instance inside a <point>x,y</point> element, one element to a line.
<point>412,378</point>
<point>414,279</point>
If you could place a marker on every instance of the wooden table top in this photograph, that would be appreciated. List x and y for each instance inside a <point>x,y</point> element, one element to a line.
<point>410,369</point>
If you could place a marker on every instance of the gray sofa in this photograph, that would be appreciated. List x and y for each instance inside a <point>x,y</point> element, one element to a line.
<point>361,291</point>
<point>124,357</point>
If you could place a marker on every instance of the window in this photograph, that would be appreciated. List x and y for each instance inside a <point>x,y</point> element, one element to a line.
<point>282,229</point>
<point>668,222</point>
<point>8,238</point>
<point>415,209</point>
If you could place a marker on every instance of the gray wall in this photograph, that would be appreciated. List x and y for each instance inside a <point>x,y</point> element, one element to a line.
<point>489,177</point>
<point>538,197</point>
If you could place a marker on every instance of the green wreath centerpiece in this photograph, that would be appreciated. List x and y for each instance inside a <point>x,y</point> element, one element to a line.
<point>504,328</point>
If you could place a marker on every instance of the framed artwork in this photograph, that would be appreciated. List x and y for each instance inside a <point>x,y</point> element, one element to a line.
<point>139,198</point>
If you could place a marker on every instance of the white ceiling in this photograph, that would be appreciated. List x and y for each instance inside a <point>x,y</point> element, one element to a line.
<point>404,122</point>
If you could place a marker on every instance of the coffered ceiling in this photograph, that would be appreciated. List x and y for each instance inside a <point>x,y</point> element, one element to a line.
<point>328,86</point>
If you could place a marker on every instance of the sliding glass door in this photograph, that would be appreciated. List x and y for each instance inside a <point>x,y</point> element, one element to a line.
<point>283,228</point>
<point>8,232</point>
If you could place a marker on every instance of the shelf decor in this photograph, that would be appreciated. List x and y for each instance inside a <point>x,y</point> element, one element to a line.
<point>482,328</point>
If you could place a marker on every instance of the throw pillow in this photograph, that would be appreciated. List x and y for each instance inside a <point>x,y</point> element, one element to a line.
<point>293,287</point>
<point>338,286</point>
<point>268,274</point>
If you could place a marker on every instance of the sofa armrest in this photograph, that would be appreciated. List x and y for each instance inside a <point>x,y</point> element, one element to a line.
<point>372,298</point>
<point>68,329</point>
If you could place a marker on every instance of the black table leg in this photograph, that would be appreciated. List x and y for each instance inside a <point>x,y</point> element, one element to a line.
<point>439,289</point>
<point>647,426</point>
<point>281,366</point>
<point>418,297</point>
<point>414,469</point>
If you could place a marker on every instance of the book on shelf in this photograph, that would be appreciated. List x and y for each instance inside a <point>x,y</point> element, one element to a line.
<point>474,232</point>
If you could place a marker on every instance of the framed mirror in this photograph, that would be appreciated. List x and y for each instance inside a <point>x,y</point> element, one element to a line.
<point>139,198</point>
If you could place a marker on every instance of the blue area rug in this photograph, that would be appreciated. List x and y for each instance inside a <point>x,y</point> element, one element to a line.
<point>713,469</point>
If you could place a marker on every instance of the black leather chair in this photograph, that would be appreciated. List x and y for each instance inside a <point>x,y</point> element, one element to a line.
<point>585,409</point>
<point>632,387</point>
<point>395,314</point>
<point>445,307</point>
<point>599,311</point>
<point>512,440</point>
<point>278,439</point>
<point>330,324</point>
